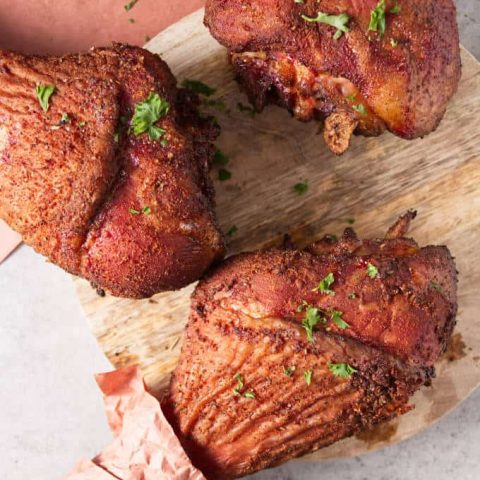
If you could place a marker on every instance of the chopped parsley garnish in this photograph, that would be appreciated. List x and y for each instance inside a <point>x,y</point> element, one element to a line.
<point>147,113</point>
<point>325,284</point>
<point>130,5</point>
<point>237,391</point>
<point>372,271</point>
<point>360,108</point>
<point>312,317</point>
<point>82,124</point>
<point>436,286</point>
<point>63,120</point>
<point>308,377</point>
<point>219,158</point>
<point>302,306</point>
<point>336,318</point>
<point>246,109</point>
<point>289,371</point>
<point>232,231</point>
<point>224,174</point>
<point>338,21</point>
<point>352,296</point>
<point>351,97</point>
<point>198,87</point>
<point>215,103</point>
<point>377,18</point>
<point>144,210</point>
<point>396,9</point>
<point>44,92</point>
<point>343,370</point>
<point>301,187</point>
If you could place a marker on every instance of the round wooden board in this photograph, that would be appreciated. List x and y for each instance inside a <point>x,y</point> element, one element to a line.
<point>374,182</point>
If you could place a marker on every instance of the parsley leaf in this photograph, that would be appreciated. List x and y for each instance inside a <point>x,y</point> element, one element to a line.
<point>44,92</point>
<point>377,18</point>
<point>301,187</point>
<point>224,174</point>
<point>343,370</point>
<point>352,296</point>
<point>249,394</point>
<point>351,97</point>
<point>312,317</point>
<point>130,5</point>
<point>325,284</point>
<point>436,286</point>
<point>336,318</point>
<point>147,113</point>
<point>219,158</point>
<point>372,271</point>
<point>360,108</point>
<point>246,109</point>
<point>232,231</point>
<point>144,210</point>
<point>240,384</point>
<point>198,87</point>
<point>396,9</point>
<point>289,371</point>
<point>338,21</point>
<point>393,43</point>
<point>308,377</point>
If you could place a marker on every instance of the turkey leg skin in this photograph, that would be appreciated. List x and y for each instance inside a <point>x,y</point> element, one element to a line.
<point>132,214</point>
<point>398,78</point>
<point>256,387</point>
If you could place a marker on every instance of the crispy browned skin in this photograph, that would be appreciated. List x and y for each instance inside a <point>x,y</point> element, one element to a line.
<point>244,319</point>
<point>68,190</point>
<point>404,80</point>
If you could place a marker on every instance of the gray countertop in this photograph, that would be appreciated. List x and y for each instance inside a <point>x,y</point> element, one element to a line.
<point>51,413</point>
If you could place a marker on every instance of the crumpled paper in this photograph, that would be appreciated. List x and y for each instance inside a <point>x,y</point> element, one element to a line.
<point>144,446</point>
<point>9,240</point>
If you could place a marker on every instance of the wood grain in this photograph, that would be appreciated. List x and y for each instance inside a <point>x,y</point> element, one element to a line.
<point>375,181</point>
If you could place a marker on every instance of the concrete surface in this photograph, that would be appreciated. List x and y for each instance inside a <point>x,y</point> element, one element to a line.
<point>50,410</point>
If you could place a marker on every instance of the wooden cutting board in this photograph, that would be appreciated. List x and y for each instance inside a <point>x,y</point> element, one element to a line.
<point>374,182</point>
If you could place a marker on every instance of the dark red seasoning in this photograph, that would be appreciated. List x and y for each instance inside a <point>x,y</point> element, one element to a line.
<point>68,190</point>
<point>244,319</point>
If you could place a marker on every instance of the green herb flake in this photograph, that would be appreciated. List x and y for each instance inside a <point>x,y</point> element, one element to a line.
<point>144,210</point>
<point>302,306</point>
<point>436,286</point>
<point>350,221</point>
<point>312,317</point>
<point>130,5</point>
<point>325,284</point>
<point>336,318</point>
<point>343,370</point>
<point>298,1</point>
<point>396,8</point>
<point>360,108</point>
<point>372,271</point>
<point>377,18</point>
<point>44,92</point>
<point>82,124</point>
<point>147,113</point>
<point>198,87</point>
<point>289,371</point>
<point>301,187</point>
<point>224,174</point>
<point>220,158</point>
<point>308,377</point>
<point>246,109</point>
<point>240,384</point>
<point>351,98</point>
<point>352,296</point>
<point>163,142</point>
<point>232,231</point>
<point>249,394</point>
<point>338,21</point>
<point>215,103</point>
<point>393,43</point>
<point>116,135</point>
